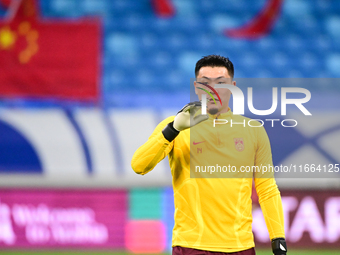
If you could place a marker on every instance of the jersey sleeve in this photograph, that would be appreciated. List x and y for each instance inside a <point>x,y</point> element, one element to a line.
<point>266,188</point>
<point>153,150</point>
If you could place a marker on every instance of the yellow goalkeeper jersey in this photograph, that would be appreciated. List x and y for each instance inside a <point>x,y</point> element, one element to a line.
<point>214,212</point>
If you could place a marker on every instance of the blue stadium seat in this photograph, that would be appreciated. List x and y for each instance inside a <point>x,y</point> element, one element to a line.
<point>333,64</point>
<point>332,25</point>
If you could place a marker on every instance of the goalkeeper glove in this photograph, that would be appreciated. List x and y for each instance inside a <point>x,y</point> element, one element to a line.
<point>279,246</point>
<point>184,119</point>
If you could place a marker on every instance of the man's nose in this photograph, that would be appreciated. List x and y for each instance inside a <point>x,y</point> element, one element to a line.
<point>212,84</point>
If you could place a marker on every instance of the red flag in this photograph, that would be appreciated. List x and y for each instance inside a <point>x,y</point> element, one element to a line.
<point>163,8</point>
<point>58,59</point>
<point>261,24</point>
<point>5,3</point>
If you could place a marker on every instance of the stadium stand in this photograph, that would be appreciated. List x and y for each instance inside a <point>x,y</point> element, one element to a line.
<point>143,53</point>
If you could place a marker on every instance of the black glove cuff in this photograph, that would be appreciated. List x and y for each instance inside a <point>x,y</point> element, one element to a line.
<point>170,132</point>
<point>279,246</point>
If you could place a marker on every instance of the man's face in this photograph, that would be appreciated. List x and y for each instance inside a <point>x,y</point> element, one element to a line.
<point>211,76</point>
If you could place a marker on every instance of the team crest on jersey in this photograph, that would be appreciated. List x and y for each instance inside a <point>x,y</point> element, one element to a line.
<point>239,144</point>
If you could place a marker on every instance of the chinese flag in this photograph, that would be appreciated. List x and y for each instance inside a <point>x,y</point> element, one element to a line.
<point>48,59</point>
<point>261,25</point>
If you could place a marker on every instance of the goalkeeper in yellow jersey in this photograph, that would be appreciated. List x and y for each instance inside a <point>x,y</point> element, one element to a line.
<point>213,210</point>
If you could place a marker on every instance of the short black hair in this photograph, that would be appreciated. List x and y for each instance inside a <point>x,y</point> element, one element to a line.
<point>215,61</point>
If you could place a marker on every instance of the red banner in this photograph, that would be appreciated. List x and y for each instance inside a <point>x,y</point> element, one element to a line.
<point>48,59</point>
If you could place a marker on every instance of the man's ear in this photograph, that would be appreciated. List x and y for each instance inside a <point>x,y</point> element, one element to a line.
<point>234,83</point>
